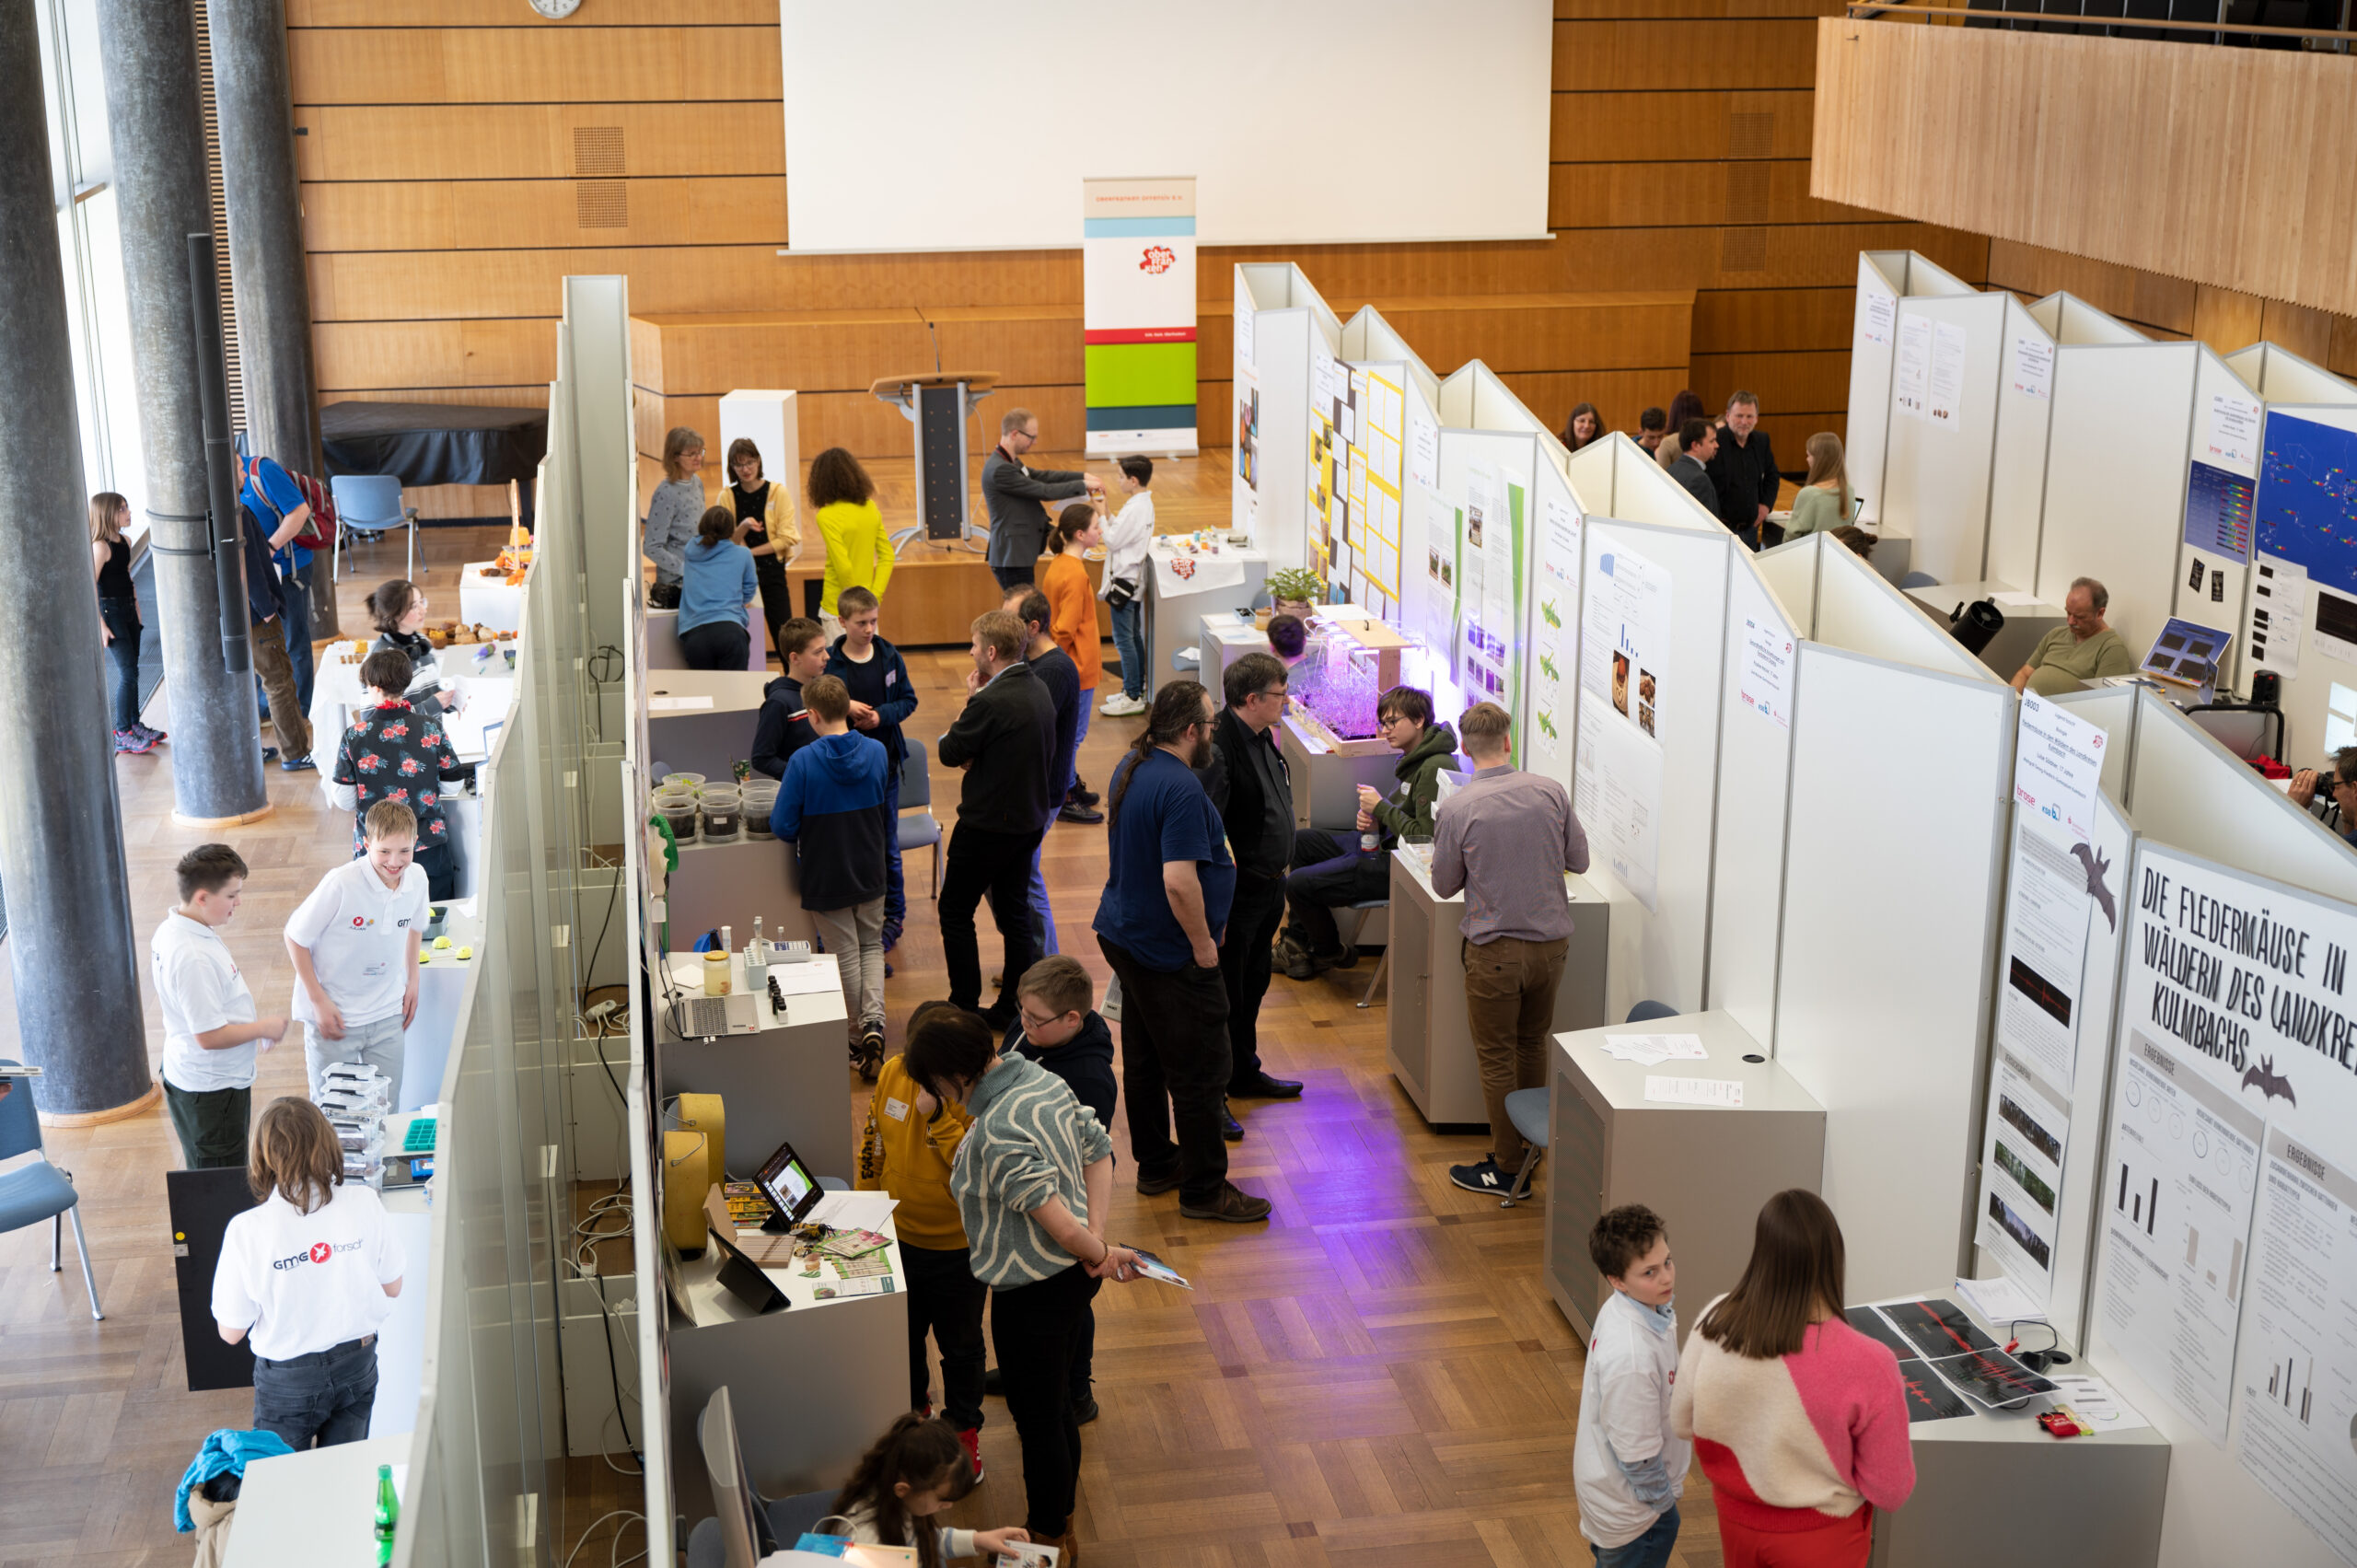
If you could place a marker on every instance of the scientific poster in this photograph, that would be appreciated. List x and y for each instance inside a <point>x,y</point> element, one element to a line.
<point>2048,908</point>
<point>1766,674</point>
<point>1384,448</point>
<point>2058,766</point>
<point>2278,615</point>
<point>2306,510</point>
<point>2299,1363</point>
<point>2033,365</point>
<point>1949,341</point>
<point>2021,1173</point>
<point>1423,449</point>
<point>1557,655</point>
<point>2231,439</point>
<point>1879,310</point>
<point>1624,647</point>
<point>1243,355</point>
<point>1487,657</point>
<point>1246,486</point>
<point>1910,382</point>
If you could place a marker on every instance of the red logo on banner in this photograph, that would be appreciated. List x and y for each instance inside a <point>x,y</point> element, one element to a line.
<point>1157,259</point>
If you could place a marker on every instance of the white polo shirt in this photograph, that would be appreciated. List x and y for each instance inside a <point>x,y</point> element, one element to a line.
<point>1624,1418</point>
<point>357,930</point>
<point>302,1283</point>
<point>200,989</point>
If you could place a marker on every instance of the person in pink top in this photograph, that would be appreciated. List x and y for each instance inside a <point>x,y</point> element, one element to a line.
<point>1799,1419</point>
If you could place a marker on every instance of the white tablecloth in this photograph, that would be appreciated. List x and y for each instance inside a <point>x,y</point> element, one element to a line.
<point>1179,572</point>
<point>486,684</point>
<point>489,601</point>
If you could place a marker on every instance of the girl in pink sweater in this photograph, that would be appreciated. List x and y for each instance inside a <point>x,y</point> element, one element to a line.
<point>1798,1419</point>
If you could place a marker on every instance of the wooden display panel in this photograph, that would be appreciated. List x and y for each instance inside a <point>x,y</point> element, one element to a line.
<point>1684,54</point>
<point>490,215</point>
<point>531,141</point>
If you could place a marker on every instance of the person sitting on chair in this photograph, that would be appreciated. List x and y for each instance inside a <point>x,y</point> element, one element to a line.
<point>1328,873</point>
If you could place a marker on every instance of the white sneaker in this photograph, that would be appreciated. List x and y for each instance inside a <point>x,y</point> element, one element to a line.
<point>1119,705</point>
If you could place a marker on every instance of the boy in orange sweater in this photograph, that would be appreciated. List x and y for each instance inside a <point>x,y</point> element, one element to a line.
<point>906,1149</point>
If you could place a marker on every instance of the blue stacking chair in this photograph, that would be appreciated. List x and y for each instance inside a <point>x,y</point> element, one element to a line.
<point>369,504</point>
<point>922,831</point>
<point>1529,1108</point>
<point>41,1191</point>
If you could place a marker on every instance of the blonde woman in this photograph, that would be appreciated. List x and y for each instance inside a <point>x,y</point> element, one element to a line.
<point>1824,502</point>
<point>119,622</point>
<point>672,514</point>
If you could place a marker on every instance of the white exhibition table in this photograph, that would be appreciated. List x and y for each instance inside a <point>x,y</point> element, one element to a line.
<point>1175,606</point>
<point>663,650</point>
<point>488,600</point>
<point>318,1506</point>
<point>483,678</point>
<point>701,721</point>
<point>2025,622</point>
<point>783,1081</point>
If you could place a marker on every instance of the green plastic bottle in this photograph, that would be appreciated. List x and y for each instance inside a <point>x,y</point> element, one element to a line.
<point>388,1513</point>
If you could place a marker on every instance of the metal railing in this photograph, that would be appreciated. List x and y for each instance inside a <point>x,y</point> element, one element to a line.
<point>2118,18</point>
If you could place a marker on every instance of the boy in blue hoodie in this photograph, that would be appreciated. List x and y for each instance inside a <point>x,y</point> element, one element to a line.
<point>1057,1024</point>
<point>882,698</point>
<point>831,807</point>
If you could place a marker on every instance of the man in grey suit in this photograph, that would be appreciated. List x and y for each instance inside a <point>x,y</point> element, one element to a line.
<point>1014,494</point>
<point>1697,443</point>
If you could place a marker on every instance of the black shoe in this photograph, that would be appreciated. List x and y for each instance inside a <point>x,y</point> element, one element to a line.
<point>1263,1086</point>
<point>1294,959</point>
<point>1075,812</point>
<point>1000,1019</point>
<point>871,1056</point>
<point>1233,1205</point>
<point>1083,794</point>
<point>993,1384</point>
<point>1155,1186</point>
<point>298,765</point>
<point>1083,1410</point>
<point>1229,1127</point>
<point>268,752</point>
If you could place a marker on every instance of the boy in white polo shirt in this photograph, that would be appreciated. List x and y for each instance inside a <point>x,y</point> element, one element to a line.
<point>353,943</point>
<point>210,1030</point>
<point>1628,1466</point>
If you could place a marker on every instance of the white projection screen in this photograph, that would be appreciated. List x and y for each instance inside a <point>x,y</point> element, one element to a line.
<point>947,125</point>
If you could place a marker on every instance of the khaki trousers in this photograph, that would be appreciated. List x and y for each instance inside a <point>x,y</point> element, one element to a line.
<point>1510,1004</point>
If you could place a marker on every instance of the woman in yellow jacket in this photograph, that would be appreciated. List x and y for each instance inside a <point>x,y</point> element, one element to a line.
<point>859,555</point>
<point>906,1149</point>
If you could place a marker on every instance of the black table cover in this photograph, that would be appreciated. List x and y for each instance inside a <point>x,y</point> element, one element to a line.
<point>434,443</point>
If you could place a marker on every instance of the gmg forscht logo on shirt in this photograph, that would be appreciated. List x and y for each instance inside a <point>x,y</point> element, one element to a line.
<point>319,1253</point>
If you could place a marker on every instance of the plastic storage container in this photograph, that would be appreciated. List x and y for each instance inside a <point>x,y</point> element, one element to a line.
<point>760,799</point>
<point>724,812</point>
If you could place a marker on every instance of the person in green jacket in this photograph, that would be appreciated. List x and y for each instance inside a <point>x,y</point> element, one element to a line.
<point>1332,871</point>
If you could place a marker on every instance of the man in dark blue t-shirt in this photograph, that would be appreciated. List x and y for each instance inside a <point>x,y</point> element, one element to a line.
<point>1159,923</point>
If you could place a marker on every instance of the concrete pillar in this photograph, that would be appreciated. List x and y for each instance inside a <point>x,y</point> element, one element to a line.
<point>254,111</point>
<point>148,54</point>
<point>70,940</point>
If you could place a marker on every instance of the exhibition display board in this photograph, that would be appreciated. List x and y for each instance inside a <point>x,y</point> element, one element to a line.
<point>1424,610</point>
<point>1285,339</point>
<point>1885,277</point>
<point>2300,621</point>
<point>1137,274</point>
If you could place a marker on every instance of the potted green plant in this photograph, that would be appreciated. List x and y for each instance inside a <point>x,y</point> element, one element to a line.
<point>1294,590</point>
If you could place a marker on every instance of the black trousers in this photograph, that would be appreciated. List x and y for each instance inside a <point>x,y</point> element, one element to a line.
<point>1331,872</point>
<point>121,618</point>
<point>1173,1071</point>
<point>998,865</point>
<point>1244,961</point>
<point>945,1296</point>
<point>1034,1327</point>
<point>1009,576</point>
<point>716,644</point>
<point>441,864</point>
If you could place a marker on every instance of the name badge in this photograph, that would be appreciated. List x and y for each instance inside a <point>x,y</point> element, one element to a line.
<point>891,676</point>
<point>373,971</point>
<point>898,1109</point>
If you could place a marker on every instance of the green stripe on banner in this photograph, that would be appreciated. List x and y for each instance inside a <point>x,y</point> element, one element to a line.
<point>1128,374</point>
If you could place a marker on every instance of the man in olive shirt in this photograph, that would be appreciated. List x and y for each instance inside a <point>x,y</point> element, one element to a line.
<point>2069,657</point>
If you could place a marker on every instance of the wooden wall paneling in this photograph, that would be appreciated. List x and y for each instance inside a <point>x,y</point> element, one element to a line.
<point>1638,127</point>
<point>1788,434</point>
<point>2304,331</point>
<point>1041,344</point>
<point>1619,395</point>
<point>808,351</point>
<point>509,351</point>
<point>484,215</point>
<point>476,15</point>
<point>2140,298</point>
<point>2343,360</point>
<point>1790,383</point>
<point>1759,320</point>
<point>870,428</point>
<point>537,65</point>
<point>1683,54</point>
<point>1988,131</point>
<point>2227,320</point>
<point>531,141</point>
<point>1703,10</point>
<point>1542,332</point>
<point>418,214</point>
<point>1639,195</point>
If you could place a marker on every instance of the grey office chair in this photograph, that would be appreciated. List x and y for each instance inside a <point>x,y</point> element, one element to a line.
<point>1646,1010</point>
<point>923,830</point>
<point>1919,580</point>
<point>368,504</point>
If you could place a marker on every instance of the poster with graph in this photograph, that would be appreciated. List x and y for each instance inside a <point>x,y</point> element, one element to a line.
<point>1375,530</point>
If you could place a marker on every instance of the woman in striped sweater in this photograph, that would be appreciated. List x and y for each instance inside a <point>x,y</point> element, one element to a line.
<point>1798,1419</point>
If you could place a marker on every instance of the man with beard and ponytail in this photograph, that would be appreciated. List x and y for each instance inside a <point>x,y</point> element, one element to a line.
<point>1166,905</point>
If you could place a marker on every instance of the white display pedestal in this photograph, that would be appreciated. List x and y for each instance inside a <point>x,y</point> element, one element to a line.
<point>784,1082</point>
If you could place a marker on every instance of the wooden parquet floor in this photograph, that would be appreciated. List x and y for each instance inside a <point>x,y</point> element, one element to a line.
<point>1376,1379</point>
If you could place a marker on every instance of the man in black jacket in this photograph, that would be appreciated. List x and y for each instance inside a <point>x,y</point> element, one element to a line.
<point>1247,780</point>
<point>1005,740</point>
<point>1744,471</point>
<point>1014,493</point>
<point>1697,445</point>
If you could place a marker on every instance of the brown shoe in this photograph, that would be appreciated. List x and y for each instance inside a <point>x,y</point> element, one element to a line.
<point>1232,1205</point>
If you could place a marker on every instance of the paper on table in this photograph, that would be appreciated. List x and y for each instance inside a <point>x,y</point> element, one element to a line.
<point>676,705</point>
<point>2094,1402</point>
<point>1654,1048</point>
<point>1999,1300</point>
<point>806,979</point>
<point>853,1211</point>
<point>1693,1091</point>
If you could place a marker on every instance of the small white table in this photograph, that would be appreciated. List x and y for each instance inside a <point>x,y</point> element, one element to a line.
<point>701,721</point>
<point>2024,624</point>
<point>1174,618</point>
<point>318,1506</point>
<point>489,601</point>
<point>481,673</point>
<point>784,1080</point>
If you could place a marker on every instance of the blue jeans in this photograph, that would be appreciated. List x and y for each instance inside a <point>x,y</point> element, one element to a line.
<point>326,1395</point>
<point>896,897</point>
<point>1129,641</point>
<point>1072,763</point>
<point>1648,1551</point>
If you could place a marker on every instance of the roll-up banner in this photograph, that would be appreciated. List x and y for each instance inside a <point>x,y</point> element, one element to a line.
<point>1138,292</point>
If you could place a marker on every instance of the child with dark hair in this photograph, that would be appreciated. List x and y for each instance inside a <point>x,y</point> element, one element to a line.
<point>717,585</point>
<point>914,1472</point>
<point>210,1027</point>
<point>1129,537</point>
<point>831,807</point>
<point>399,752</point>
<point>882,699</point>
<point>1034,1183</point>
<point>1627,1466</point>
<point>397,608</point>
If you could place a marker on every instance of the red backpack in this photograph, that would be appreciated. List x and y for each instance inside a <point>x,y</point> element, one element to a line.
<point>318,533</point>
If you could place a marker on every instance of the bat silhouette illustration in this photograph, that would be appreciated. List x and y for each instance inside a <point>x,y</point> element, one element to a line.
<point>2271,1084</point>
<point>2093,862</point>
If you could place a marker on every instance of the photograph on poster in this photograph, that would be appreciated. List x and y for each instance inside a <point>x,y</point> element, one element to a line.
<point>1624,629</point>
<point>2049,912</point>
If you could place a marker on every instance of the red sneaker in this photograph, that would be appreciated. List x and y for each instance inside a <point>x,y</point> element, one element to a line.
<point>972,1438</point>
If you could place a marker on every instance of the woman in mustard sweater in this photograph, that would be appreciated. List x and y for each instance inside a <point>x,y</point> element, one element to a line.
<point>858,553</point>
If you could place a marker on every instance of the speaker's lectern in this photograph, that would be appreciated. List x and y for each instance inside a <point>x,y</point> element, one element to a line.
<point>939,405</point>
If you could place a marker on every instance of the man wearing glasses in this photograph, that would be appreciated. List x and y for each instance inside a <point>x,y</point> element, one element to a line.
<point>1014,494</point>
<point>2344,789</point>
<point>1247,781</point>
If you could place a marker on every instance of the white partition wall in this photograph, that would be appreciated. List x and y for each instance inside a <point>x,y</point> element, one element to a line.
<point>1885,277</point>
<point>2281,376</point>
<point>771,422</point>
<point>1286,337</point>
<point>2222,451</point>
<point>2070,320</point>
<point>1966,445</point>
<point>2115,478</point>
<point>1756,695</point>
<point>1901,785</point>
<point>1368,341</point>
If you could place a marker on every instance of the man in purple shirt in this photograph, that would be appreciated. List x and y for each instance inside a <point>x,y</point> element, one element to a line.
<point>1505,841</point>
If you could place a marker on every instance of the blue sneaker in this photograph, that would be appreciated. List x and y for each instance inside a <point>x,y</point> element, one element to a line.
<point>1484,1177</point>
<point>298,765</point>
